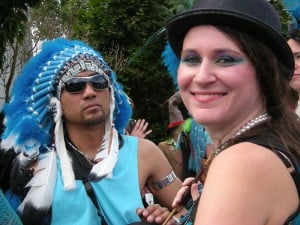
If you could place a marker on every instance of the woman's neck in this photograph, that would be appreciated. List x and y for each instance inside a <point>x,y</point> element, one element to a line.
<point>243,129</point>
<point>220,136</point>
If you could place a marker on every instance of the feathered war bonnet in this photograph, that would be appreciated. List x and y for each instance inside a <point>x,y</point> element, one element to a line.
<point>31,127</point>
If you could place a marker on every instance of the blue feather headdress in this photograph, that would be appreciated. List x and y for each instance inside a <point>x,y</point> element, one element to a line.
<point>33,117</point>
<point>293,7</point>
<point>28,115</point>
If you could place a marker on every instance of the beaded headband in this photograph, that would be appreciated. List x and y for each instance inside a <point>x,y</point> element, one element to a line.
<point>78,64</point>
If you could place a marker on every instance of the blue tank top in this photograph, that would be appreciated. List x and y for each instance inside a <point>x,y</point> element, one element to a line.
<point>118,197</point>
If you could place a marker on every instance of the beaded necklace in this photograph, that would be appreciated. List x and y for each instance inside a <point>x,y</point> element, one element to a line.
<point>91,160</point>
<point>252,123</point>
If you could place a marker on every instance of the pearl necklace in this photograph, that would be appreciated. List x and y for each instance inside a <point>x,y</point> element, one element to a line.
<point>252,123</point>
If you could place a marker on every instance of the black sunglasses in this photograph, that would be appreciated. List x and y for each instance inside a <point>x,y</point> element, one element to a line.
<point>78,84</point>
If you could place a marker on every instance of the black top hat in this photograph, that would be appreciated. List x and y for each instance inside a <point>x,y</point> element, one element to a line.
<point>256,17</point>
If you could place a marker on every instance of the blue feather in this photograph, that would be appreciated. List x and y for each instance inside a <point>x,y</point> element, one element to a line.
<point>42,79</point>
<point>41,102</point>
<point>47,85</point>
<point>171,62</point>
<point>29,95</point>
<point>293,7</point>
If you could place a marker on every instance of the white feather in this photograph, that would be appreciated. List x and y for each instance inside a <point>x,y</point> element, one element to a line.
<point>105,167</point>
<point>42,184</point>
<point>109,148</point>
<point>9,142</point>
<point>65,160</point>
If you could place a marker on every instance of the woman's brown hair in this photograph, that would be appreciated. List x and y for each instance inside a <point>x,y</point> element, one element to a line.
<point>273,78</point>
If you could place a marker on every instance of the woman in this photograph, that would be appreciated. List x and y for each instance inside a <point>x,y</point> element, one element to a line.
<point>294,43</point>
<point>234,74</point>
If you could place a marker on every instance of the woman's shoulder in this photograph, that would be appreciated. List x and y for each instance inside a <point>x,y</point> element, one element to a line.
<point>247,155</point>
<point>253,181</point>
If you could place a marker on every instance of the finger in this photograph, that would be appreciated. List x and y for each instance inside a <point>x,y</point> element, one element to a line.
<point>173,221</point>
<point>138,123</point>
<point>150,209</point>
<point>152,212</point>
<point>139,211</point>
<point>160,215</point>
<point>143,121</point>
<point>194,191</point>
<point>188,181</point>
<point>148,132</point>
<point>145,125</point>
<point>179,196</point>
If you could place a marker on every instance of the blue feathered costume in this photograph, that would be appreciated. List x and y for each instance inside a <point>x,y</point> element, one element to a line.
<point>32,126</point>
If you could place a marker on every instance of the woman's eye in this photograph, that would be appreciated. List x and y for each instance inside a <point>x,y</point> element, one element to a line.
<point>229,60</point>
<point>297,57</point>
<point>191,60</point>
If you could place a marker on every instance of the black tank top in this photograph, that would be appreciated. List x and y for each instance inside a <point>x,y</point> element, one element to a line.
<point>271,143</point>
<point>289,161</point>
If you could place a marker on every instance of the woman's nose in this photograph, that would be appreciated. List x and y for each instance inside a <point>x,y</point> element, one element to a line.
<point>205,72</point>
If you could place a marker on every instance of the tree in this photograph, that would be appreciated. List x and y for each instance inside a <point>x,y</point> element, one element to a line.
<point>13,23</point>
<point>13,33</point>
<point>119,29</point>
<point>47,21</point>
<point>130,36</point>
<point>284,15</point>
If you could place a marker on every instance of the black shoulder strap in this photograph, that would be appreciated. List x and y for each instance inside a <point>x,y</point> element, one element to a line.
<point>288,160</point>
<point>291,165</point>
<point>90,191</point>
<point>286,157</point>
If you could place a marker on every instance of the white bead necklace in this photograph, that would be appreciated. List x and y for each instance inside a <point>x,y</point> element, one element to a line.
<point>252,123</point>
<point>91,160</point>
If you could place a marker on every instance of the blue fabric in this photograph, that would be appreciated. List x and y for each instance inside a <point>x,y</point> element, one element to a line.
<point>297,220</point>
<point>118,197</point>
<point>7,213</point>
<point>200,139</point>
<point>13,199</point>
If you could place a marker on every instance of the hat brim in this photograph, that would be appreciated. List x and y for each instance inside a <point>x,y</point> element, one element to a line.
<point>179,25</point>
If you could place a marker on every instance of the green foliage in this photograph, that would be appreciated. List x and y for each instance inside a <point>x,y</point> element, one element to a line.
<point>181,5</point>
<point>284,15</point>
<point>13,22</point>
<point>47,21</point>
<point>119,29</point>
<point>128,33</point>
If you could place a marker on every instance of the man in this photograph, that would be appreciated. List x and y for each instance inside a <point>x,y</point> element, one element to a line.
<point>73,165</point>
<point>168,146</point>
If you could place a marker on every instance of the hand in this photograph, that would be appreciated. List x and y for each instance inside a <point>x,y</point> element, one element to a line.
<point>187,183</point>
<point>155,213</point>
<point>140,129</point>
